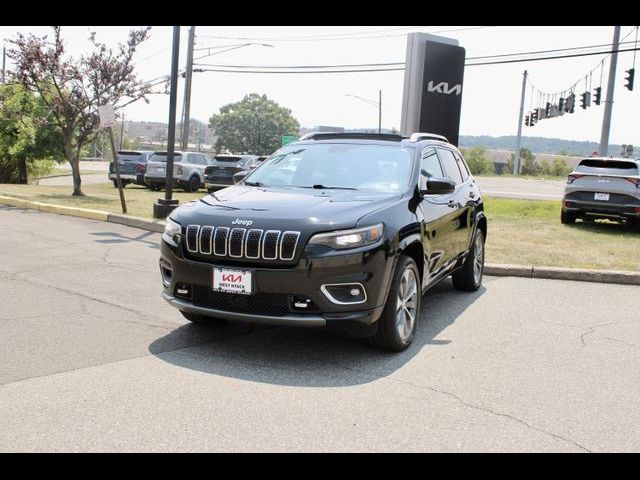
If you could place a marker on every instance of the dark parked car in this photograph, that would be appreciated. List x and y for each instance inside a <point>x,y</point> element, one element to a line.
<point>133,165</point>
<point>603,188</point>
<point>343,230</point>
<point>221,174</point>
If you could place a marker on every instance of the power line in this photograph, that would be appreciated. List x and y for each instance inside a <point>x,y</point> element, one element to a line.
<point>343,37</point>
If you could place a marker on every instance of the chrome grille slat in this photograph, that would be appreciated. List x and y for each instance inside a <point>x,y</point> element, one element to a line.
<point>220,240</point>
<point>250,244</point>
<point>235,242</point>
<point>206,237</point>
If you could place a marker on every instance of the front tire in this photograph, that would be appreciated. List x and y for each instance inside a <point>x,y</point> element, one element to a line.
<point>469,277</point>
<point>397,325</point>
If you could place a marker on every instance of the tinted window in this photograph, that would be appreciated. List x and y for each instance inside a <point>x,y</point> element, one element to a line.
<point>450,165</point>
<point>162,157</point>
<point>198,159</point>
<point>463,167</point>
<point>430,166</point>
<point>607,167</point>
<point>226,158</point>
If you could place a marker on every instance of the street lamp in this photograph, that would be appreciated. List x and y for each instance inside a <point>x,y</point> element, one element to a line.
<point>374,104</point>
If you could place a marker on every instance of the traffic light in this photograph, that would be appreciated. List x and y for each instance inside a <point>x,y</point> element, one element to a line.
<point>596,95</point>
<point>570,103</point>
<point>534,117</point>
<point>526,120</point>
<point>585,100</point>
<point>561,105</point>
<point>629,79</point>
<point>547,110</point>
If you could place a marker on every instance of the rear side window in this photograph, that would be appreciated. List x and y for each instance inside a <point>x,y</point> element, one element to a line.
<point>462,166</point>
<point>450,165</point>
<point>607,167</point>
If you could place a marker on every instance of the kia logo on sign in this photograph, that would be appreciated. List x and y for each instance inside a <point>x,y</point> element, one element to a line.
<point>443,87</point>
<point>230,277</point>
<point>238,221</point>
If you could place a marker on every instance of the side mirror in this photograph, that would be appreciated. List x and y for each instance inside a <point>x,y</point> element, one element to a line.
<point>439,186</point>
<point>240,176</point>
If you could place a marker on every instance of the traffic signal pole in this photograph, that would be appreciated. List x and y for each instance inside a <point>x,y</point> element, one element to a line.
<point>516,156</point>
<point>608,103</point>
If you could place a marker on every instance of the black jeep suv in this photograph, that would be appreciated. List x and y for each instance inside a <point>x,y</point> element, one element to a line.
<point>345,230</point>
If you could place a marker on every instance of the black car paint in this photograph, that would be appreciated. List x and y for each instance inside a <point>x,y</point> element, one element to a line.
<point>436,229</point>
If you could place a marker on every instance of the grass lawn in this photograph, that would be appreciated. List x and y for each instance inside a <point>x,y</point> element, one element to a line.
<point>525,232</point>
<point>529,232</point>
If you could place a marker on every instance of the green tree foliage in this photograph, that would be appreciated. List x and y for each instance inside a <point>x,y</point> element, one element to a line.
<point>477,160</point>
<point>528,164</point>
<point>74,88</point>
<point>28,140</point>
<point>253,125</point>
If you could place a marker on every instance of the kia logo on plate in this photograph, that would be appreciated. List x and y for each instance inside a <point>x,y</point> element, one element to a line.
<point>230,277</point>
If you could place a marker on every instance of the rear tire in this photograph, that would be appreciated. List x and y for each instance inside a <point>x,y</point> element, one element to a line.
<point>193,185</point>
<point>154,188</point>
<point>469,277</point>
<point>567,218</point>
<point>396,327</point>
<point>201,319</point>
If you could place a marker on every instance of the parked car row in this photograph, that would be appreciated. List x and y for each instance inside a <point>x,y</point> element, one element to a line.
<point>191,170</point>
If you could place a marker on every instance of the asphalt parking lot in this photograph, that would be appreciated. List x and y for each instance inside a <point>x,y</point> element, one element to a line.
<point>92,359</point>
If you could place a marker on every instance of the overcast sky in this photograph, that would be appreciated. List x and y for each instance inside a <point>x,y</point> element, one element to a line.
<point>490,98</point>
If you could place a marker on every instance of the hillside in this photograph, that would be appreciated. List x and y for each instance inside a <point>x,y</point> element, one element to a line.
<point>536,144</point>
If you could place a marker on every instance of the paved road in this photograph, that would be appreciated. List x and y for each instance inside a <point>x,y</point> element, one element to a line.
<point>527,188</point>
<point>91,359</point>
<point>99,171</point>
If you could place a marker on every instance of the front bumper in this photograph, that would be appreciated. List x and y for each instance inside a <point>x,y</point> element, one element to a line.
<point>372,269</point>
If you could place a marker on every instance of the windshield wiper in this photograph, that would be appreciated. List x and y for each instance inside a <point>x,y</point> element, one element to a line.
<point>254,184</point>
<point>325,187</point>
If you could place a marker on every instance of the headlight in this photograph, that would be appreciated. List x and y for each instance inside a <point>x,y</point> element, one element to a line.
<point>172,232</point>
<point>358,237</point>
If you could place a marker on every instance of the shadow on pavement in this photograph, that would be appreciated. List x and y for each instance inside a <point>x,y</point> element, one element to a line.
<point>308,357</point>
<point>120,238</point>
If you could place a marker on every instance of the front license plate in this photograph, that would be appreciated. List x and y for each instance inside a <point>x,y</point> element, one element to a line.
<point>161,170</point>
<point>601,196</point>
<point>232,281</point>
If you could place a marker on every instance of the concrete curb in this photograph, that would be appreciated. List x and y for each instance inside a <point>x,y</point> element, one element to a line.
<point>492,269</point>
<point>559,273</point>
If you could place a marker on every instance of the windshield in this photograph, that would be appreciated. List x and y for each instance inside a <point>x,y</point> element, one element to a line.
<point>382,168</point>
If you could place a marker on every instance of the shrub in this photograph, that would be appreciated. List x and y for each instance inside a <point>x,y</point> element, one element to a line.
<point>478,163</point>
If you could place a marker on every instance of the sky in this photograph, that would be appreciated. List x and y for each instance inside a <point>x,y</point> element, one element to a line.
<point>491,93</point>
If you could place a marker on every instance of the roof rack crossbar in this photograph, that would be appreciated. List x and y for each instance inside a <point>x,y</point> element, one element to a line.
<point>357,135</point>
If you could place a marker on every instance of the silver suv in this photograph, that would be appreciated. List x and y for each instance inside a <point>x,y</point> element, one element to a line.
<point>188,170</point>
<point>603,188</point>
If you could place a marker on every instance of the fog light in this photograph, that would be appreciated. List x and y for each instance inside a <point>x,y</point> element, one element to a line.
<point>344,293</point>
<point>167,273</point>
<point>183,290</point>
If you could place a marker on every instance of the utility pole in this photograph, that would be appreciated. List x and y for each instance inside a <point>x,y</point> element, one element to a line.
<point>379,111</point>
<point>4,63</point>
<point>165,205</point>
<point>516,156</point>
<point>608,103</point>
<point>187,90</point>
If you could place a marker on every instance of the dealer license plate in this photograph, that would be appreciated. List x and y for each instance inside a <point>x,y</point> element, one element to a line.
<point>232,281</point>
<point>601,196</point>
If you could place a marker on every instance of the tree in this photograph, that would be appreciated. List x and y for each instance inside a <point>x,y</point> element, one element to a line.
<point>478,163</point>
<point>72,89</point>
<point>25,133</point>
<point>528,165</point>
<point>253,125</point>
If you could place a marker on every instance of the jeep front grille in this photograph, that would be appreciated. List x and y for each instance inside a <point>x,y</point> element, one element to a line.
<point>250,244</point>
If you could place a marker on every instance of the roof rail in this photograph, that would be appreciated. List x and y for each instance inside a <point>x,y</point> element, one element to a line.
<point>416,137</point>
<point>356,135</point>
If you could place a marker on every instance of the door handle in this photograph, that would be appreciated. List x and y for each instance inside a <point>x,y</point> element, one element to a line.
<point>472,194</point>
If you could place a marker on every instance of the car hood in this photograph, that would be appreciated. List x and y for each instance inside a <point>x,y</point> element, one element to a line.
<point>282,208</point>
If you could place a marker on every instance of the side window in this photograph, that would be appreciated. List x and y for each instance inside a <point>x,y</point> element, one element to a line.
<point>450,165</point>
<point>463,167</point>
<point>198,159</point>
<point>430,165</point>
